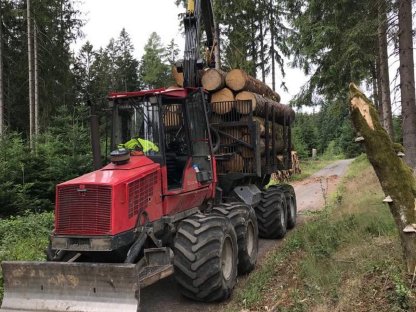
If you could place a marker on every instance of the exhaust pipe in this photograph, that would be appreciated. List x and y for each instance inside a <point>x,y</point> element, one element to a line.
<point>95,138</point>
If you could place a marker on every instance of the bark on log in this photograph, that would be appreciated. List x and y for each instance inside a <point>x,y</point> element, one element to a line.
<point>213,80</point>
<point>396,178</point>
<point>259,104</point>
<point>238,80</point>
<point>223,95</point>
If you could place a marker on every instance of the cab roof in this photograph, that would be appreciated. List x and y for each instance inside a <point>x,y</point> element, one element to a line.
<point>170,92</point>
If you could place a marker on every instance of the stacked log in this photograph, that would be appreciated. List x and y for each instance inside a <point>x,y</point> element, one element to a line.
<point>238,97</point>
<point>178,77</point>
<point>238,80</point>
<point>213,80</point>
<point>282,113</point>
<point>218,98</point>
<point>172,117</point>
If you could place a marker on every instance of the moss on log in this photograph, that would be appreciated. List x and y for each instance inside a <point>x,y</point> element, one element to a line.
<point>396,178</point>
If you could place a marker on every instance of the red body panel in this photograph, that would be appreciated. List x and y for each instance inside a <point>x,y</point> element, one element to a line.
<point>135,187</point>
<point>108,201</point>
<point>191,195</point>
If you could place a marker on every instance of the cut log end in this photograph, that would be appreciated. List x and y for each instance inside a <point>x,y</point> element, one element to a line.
<point>213,80</point>
<point>236,79</point>
<point>218,98</point>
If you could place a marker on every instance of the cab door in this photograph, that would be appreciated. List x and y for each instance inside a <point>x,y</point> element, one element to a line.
<point>197,179</point>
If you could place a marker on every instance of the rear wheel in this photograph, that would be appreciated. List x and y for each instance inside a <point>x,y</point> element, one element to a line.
<point>205,260</point>
<point>291,208</point>
<point>244,220</point>
<point>271,213</point>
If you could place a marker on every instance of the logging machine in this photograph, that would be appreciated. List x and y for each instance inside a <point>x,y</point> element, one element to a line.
<point>179,207</point>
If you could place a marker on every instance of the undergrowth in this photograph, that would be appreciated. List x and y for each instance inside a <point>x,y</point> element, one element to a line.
<point>24,238</point>
<point>346,258</point>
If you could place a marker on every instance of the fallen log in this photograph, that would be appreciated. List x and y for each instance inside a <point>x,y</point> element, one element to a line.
<point>238,80</point>
<point>396,178</point>
<point>282,112</point>
<point>213,80</point>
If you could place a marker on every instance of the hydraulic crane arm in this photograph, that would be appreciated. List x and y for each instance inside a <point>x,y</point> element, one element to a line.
<point>197,10</point>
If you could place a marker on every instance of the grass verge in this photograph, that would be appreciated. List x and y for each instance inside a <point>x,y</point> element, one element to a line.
<point>347,258</point>
<point>24,238</point>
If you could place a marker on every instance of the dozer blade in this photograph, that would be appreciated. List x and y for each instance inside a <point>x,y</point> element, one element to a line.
<point>70,287</point>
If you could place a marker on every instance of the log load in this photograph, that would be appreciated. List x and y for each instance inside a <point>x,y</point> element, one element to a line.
<point>238,80</point>
<point>225,134</point>
<point>296,163</point>
<point>234,164</point>
<point>259,104</point>
<point>213,80</point>
<point>178,77</point>
<point>217,99</point>
<point>173,116</point>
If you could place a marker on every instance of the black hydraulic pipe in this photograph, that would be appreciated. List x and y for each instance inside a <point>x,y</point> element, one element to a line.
<point>135,249</point>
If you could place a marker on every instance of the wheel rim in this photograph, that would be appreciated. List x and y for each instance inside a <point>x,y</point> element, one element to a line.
<point>292,207</point>
<point>227,258</point>
<point>250,238</point>
<point>282,215</point>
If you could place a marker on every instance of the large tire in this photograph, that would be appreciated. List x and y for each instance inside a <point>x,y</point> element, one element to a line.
<point>271,213</point>
<point>244,220</point>
<point>205,257</point>
<point>291,207</point>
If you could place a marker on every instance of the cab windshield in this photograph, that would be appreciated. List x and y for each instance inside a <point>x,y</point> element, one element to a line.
<point>136,127</point>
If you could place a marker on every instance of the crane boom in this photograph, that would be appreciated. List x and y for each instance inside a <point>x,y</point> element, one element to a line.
<point>197,10</point>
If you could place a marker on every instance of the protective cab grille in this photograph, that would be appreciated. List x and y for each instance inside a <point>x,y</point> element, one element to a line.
<point>140,193</point>
<point>84,209</point>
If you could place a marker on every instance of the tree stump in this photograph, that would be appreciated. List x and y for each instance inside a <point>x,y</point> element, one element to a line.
<point>396,178</point>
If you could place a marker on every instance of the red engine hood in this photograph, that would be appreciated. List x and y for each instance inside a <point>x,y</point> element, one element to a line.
<point>114,174</point>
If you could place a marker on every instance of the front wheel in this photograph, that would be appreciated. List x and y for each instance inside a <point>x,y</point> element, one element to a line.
<point>205,257</point>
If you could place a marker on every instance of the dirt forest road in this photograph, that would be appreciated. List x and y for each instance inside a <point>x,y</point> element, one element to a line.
<point>164,296</point>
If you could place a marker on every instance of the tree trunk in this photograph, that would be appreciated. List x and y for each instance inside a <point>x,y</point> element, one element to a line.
<point>282,113</point>
<point>262,58</point>
<point>384,68</point>
<point>36,80</point>
<point>217,44</point>
<point>238,80</point>
<point>31,91</point>
<point>272,35</point>
<point>1,76</point>
<point>396,178</point>
<point>213,79</point>
<point>379,96</point>
<point>407,81</point>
